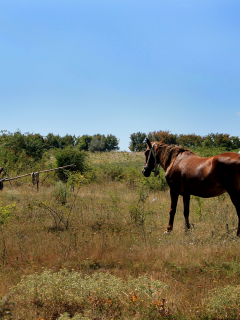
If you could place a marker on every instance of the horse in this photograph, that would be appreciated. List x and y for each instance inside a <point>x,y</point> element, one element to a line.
<point>188,174</point>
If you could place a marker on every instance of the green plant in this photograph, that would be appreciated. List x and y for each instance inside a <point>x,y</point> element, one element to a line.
<point>112,172</point>
<point>62,192</point>
<point>132,176</point>
<point>137,210</point>
<point>223,303</point>
<point>62,217</point>
<point>73,293</point>
<point>158,183</point>
<point>68,156</point>
<point>6,308</point>
<point>199,206</point>
<point>6,212</point>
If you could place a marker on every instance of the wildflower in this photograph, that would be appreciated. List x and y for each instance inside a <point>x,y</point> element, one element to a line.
<point>133,297</point>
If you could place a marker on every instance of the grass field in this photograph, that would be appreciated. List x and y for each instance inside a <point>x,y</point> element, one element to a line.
<point>99,252</point>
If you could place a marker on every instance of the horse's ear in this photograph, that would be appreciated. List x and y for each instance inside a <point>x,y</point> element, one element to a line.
<point>148,143</point>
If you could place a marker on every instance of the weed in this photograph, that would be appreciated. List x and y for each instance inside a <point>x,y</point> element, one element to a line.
<point>75,293</point>
<point>6,308</point>
<point>223,303</point>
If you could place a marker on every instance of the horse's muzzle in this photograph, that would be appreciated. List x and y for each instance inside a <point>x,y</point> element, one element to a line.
<point>146,173</point>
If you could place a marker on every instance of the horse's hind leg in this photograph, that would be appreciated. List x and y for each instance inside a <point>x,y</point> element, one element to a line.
<point>174,200</point>
<point>235,197</point>
<point>186,201</point>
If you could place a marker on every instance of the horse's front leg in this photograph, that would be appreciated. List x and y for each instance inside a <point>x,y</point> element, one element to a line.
<point>186,202</point>
<point>174,200</point>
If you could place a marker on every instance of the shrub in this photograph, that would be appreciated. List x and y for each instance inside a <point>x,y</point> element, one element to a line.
<point>68,156</point>
<point>223,303</point>
<point>74,293</point>
<point>158,183</point>
<point>112,172</point>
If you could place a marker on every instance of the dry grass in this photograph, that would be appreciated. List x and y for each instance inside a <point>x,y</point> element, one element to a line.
<point>118,229</point>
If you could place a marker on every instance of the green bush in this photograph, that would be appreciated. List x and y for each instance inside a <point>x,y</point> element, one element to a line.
<point>68,156</point>
<point>223,303</point>
<point>158,183</point>
<point>55,293</point>
<point>110,172</point>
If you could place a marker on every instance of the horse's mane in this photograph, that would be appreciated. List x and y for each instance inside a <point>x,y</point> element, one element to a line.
<point>168,153</point>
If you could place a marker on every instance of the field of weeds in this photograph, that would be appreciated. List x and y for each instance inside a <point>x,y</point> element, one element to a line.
<point>97,251</point>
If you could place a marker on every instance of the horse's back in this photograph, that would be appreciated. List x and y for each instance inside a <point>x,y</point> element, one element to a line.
<point>205,177</point>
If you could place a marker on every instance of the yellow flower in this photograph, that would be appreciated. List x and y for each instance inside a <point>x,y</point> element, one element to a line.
<point>133,297</point>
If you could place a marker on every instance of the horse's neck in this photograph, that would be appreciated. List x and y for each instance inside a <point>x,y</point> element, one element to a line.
<point>163,158</point>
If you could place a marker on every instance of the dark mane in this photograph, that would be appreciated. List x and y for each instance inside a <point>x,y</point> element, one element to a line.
<point>168,153</point>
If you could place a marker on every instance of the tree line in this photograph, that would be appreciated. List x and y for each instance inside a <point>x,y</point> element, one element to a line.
<point>192,141</point>
<point>34,145</point>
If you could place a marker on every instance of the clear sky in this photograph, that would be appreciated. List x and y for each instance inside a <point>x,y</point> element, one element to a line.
<point>120,66</point>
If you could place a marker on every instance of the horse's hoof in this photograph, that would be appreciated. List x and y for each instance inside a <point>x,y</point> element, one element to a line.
<point>166,232</point>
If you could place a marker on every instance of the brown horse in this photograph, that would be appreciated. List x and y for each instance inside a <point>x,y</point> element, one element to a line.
<point>188,174</point>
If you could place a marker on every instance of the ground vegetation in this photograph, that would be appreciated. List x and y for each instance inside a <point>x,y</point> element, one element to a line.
<point>91,246</point>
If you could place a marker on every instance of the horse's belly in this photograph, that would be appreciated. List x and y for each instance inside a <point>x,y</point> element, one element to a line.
<point>205,189</point>
<point>208,193</point>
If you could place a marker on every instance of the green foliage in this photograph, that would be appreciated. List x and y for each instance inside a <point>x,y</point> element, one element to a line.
<point>73,293</point>
<point>219,142</point>
<point>158,183</point>
<point>199,202</point>
<point>111,143</point>
<point>138,210</point>
<point>61,216</point>
<point>98,143</point>
<point>6,212</point>
<point>111,172</point>
<point>137,142</point>
<point>31,145</point>
<point>132,175</point>
<point>61,192</point>
<point>68,156</point>
<point>223,303</point>
<point>166,136</point>
<point>55,141</point>
<point>208,152</point>
<point>82,143</point>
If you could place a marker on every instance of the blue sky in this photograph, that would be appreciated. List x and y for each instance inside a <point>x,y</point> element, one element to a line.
<point>120,66</point>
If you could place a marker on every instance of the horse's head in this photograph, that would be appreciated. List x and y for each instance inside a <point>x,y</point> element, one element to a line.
<point>150,159</point>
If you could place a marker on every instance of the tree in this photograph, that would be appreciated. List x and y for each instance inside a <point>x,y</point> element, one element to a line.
<point>189,140</point>
<point>98,143</point>
<point>137,142</point>
<point>111,143</point>
<point>55,141</point>
<point>67,140</point>
<point>82,143</point>
<point>160,135</point>
<point>52,141</point>
<point>32,145</point>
